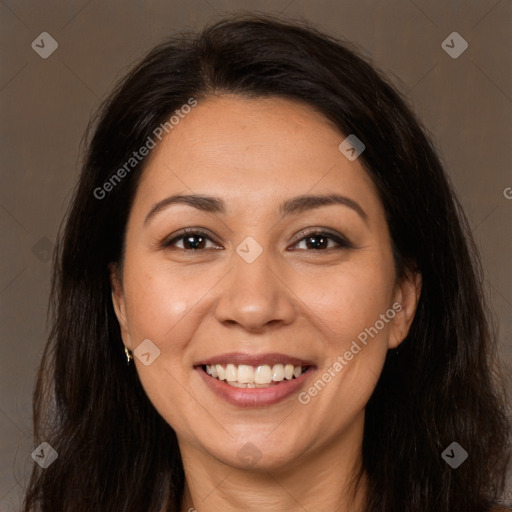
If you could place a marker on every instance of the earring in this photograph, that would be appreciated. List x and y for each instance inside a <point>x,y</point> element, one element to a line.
<point>129,356</point>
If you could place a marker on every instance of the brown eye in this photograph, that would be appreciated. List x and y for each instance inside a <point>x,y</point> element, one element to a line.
<point>192,240</point>
<point>319,240</point>
<point>315,240</point>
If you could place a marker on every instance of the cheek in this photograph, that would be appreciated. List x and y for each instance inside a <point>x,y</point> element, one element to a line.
<point>348,312</point>
<point>167,303</point>
<point>349,299</point>
<point>157,303</point>
<point>162,307</point>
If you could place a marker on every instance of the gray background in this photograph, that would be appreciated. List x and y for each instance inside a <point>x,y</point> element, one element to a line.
<point>465,104</point>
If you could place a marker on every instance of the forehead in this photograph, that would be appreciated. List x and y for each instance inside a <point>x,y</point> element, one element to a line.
<point>259,149</point>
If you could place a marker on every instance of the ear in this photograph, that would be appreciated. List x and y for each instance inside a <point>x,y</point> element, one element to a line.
<point>405,300</point>
<point>119,304</point>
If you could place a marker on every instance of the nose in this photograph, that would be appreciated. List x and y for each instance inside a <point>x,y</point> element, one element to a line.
<point>254,295</point>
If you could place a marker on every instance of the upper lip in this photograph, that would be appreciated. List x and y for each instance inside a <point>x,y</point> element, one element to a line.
<point>238,358</point>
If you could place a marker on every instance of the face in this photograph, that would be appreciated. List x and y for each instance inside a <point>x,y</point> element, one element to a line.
<point>264,284</point>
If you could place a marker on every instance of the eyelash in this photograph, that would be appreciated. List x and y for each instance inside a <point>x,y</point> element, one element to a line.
<point>342,242</point>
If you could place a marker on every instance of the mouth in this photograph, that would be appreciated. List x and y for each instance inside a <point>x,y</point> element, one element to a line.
<point>249,377</point>
<point>254,380</point>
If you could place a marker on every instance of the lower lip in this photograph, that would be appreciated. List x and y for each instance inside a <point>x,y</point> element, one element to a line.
<point>254,397</point>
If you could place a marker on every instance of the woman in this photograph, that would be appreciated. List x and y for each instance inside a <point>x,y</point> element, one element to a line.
<point>266,296</point>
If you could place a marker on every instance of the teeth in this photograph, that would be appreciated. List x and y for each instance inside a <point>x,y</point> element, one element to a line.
<point>245,376</point>
<point>278,372</point>
<point>221,373</point>
<point>263,374</point>
<point>231,373</point>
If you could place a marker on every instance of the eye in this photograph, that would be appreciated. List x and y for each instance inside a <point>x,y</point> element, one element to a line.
<point>319,240</point>
<point>192,240</point>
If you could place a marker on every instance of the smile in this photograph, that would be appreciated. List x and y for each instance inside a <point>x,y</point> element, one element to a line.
<point>246,376</point>
<point>246,380</point>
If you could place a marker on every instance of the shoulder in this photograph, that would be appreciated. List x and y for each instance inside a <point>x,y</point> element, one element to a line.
<point>501,509</point>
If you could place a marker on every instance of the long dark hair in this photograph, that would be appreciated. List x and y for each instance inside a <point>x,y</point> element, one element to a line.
<point>115,452</point>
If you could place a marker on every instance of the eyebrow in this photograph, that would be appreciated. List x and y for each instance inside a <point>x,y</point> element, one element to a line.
<point>291,206</point>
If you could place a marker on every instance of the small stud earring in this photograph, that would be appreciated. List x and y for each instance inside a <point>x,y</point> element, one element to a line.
<point>129,356</point>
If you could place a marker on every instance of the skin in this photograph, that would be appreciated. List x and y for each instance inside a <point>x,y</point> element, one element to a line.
<point>308,302</point>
